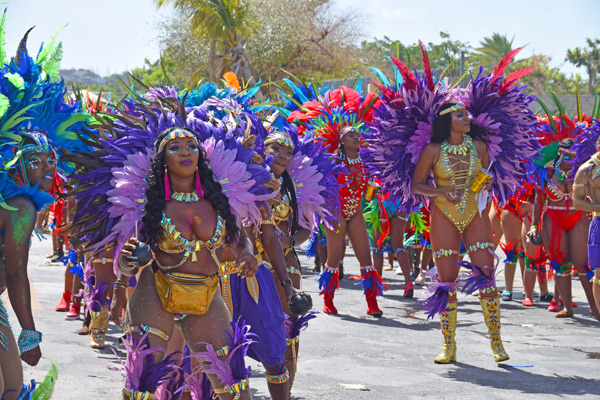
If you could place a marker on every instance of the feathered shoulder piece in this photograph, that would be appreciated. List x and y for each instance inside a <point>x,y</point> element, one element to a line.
<point>111,184</point>
<point>297,93</point>
<point>335,110</point>
<point>31,107</point>
<point>402,128</point>
<point>501,109</point>
<point>550,130</point>
<point>586,144</point>
<point>313,171</point>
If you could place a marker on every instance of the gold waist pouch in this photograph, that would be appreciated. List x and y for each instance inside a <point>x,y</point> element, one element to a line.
<point>185,293</point>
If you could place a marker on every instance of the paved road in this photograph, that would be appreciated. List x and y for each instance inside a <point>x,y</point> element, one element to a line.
<point>391,357</point>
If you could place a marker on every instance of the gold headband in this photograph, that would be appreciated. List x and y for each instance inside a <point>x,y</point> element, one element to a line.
<point>455,107</point>
<point>279,137</point>
<point>176,133</point>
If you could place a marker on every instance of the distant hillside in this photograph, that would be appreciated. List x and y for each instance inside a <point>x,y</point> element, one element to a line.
<point>82,76</point>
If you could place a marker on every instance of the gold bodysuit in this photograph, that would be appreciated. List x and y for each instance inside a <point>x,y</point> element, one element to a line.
<point>444,174</point>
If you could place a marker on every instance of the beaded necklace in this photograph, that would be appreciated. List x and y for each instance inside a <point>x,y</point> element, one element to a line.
<point>355,161</point>
<point>562,175</point>
<point>185,197</point>
<point>467,175</point>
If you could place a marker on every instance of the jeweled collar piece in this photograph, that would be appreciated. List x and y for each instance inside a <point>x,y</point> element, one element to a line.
<point>185,197</point>
<point>456,149</point>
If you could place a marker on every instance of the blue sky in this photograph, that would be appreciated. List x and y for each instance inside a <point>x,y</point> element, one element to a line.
<point>113,35</point>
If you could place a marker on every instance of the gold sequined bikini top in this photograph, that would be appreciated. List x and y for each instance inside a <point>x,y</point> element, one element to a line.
<point>172,242</point>
<point>280,208</point>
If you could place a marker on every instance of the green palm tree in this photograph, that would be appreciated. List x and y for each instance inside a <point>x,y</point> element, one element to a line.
<point>492,50</point>
<point>226,24</point>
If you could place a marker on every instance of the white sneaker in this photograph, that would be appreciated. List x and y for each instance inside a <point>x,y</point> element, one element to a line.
<point>420,280</point>
<point>398,271</point>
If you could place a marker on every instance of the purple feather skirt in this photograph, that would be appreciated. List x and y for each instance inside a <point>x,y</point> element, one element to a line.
<point>265,318</point>
<point>594,244</point>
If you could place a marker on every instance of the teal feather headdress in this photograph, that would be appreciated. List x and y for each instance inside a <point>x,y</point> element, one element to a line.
<point>32,107</point>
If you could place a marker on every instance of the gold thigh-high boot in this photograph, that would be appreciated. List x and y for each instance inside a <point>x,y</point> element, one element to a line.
<point>98,327</point>
<point>448,323</point>
<point>491,314</point>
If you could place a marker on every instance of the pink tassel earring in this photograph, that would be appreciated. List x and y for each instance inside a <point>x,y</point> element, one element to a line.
<point>199,190</point>
<point>167,186</point>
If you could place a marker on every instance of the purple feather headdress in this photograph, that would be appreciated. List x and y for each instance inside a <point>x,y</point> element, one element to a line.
<point>585,146</point>
<point>246,184</point>
<point>405,119</point>
<point>403,127</point>
<point>508,124</point>
<point>111,189</point>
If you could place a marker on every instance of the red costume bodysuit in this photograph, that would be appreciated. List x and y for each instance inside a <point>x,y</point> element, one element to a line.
<point>354,183</point>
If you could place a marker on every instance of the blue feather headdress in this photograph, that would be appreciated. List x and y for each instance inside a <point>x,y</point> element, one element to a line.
<point>32,107</point>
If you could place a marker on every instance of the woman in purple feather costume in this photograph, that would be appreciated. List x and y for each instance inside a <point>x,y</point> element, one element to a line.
<point>455,157</point>
<point>440,143</point>
<point>184,201</point>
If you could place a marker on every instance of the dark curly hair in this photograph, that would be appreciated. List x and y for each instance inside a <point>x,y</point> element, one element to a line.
<point>155,195</point>
<point>442,125</point>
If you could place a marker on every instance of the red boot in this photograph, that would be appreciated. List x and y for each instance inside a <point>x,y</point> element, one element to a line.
<point>74,311</point>
<point>328,307</point>
<point>372,306</point>
<point>64,303</point>
<point>329,281</point>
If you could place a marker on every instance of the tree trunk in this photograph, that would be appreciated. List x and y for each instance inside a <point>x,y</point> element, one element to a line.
<point>241,66</point>
<point>212,56</point>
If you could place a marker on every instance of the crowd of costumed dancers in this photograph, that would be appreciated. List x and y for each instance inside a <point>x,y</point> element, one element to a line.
<point>178,212</point>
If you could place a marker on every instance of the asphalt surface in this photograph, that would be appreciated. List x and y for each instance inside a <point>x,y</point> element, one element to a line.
<point>355,356</point>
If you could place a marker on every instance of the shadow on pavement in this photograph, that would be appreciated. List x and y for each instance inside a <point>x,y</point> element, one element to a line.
<point>522,380</point>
